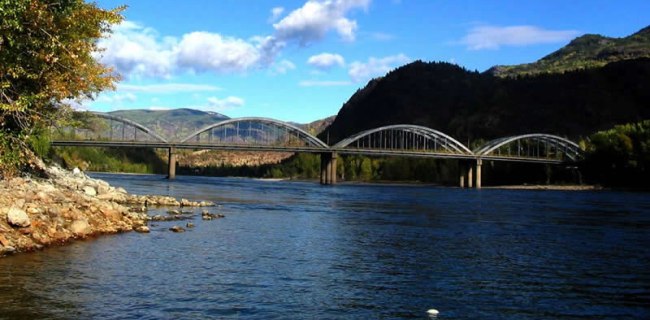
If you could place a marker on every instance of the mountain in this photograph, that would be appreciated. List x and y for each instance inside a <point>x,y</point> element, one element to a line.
<point>587,51</point>
<point>471,105</point>
<point>174,124</point>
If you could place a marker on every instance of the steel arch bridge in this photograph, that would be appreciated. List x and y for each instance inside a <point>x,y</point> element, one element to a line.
<point>535,147</point>
<point>404,140</point>
<point>253,133</point>
<point>113,132</point>
<point>265,134</point>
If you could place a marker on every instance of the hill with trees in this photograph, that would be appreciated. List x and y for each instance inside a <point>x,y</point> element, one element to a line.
<point>174,124</point>
<point>473,106</point>
<point>587,51</point>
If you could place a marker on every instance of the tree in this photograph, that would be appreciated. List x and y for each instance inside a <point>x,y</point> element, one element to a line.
<point>47,59</point>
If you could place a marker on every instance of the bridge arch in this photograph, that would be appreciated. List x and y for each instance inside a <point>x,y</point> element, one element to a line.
<point>405,137</point>
<point>132,123</point>
<point>273,127</point>
<point>535,145</point>
<point>116,130</point>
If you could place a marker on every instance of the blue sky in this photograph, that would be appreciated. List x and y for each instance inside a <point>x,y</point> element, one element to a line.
<point>301,60</point>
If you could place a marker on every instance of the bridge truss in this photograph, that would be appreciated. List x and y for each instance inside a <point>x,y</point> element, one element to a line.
<point>404,140</point>
<point>252,133</point>
<point>537,147</point>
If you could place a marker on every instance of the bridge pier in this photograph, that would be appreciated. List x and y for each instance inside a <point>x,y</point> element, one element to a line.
<point>479,163</point>
<point>328,168</point>
<point>171,170</point>
<point>467,174</point>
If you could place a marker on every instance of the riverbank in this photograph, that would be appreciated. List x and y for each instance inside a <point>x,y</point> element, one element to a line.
<point>66,206</point>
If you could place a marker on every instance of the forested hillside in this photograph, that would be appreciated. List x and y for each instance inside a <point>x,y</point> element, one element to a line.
<point>587,51</point>
<point>471,105</point>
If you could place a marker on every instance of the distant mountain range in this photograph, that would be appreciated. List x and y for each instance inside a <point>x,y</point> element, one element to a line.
<point>587,51</point>
<point>172,124</point>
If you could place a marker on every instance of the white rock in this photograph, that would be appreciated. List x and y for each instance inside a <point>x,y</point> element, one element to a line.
<point>76,171</point>
<point>142,229</point>
<point>18,218</point>
<point>433,312</point>
<point>90,191</point>
<point>80,227</point>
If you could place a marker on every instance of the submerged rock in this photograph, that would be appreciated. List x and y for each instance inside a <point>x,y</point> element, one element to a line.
<point>176,229</point>
<point>205,215</point>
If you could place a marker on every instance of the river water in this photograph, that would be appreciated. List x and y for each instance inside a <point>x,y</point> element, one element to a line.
<point>292,250</point>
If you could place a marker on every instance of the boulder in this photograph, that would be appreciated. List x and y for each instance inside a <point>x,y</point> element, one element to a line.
<point>142,229</point>
<point>18,218</point>
<point>80,227</point>
<point>90,191</point>
<point>76,171</point>
<point>189,225</point>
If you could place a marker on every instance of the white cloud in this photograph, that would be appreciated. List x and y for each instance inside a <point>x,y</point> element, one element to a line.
<point>491,37</point>
<point>310,83</point>
<point>167,88</point>
<point>316,17</point>
<point>282,67</point>
<point>216,104</point>
<point>326,60</point>
<point>360,71</point>
<point>276,13</point>
<point>137,51</point>
<point>204,51</point>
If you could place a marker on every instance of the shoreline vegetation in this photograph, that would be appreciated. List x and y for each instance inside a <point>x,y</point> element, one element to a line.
<point>68,205</point>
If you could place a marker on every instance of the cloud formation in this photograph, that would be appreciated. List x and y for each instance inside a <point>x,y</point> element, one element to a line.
<point>317,17</point>
<point>326,60</point>
<point>492,37</point>
<point>216,104</point>
<point>276,13</point>
<point>204,51</point>
<point>374,67</point>
<point>137,51</point>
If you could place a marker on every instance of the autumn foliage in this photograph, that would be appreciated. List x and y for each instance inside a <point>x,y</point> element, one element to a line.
<point>47,61</point>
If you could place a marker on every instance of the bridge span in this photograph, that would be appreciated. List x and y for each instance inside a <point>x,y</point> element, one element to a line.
<point>270,135</point>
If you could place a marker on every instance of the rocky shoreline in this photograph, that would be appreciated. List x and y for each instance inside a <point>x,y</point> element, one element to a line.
<point>36,213</point>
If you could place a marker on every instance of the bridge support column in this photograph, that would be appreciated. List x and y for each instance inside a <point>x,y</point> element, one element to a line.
<point>479,163</point>
<point>171,170</point>
<point>462,177</point>
<point>470,176</point>
<point>328,168</point>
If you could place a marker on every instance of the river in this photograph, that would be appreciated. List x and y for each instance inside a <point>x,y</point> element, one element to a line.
<point>292,250</point>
